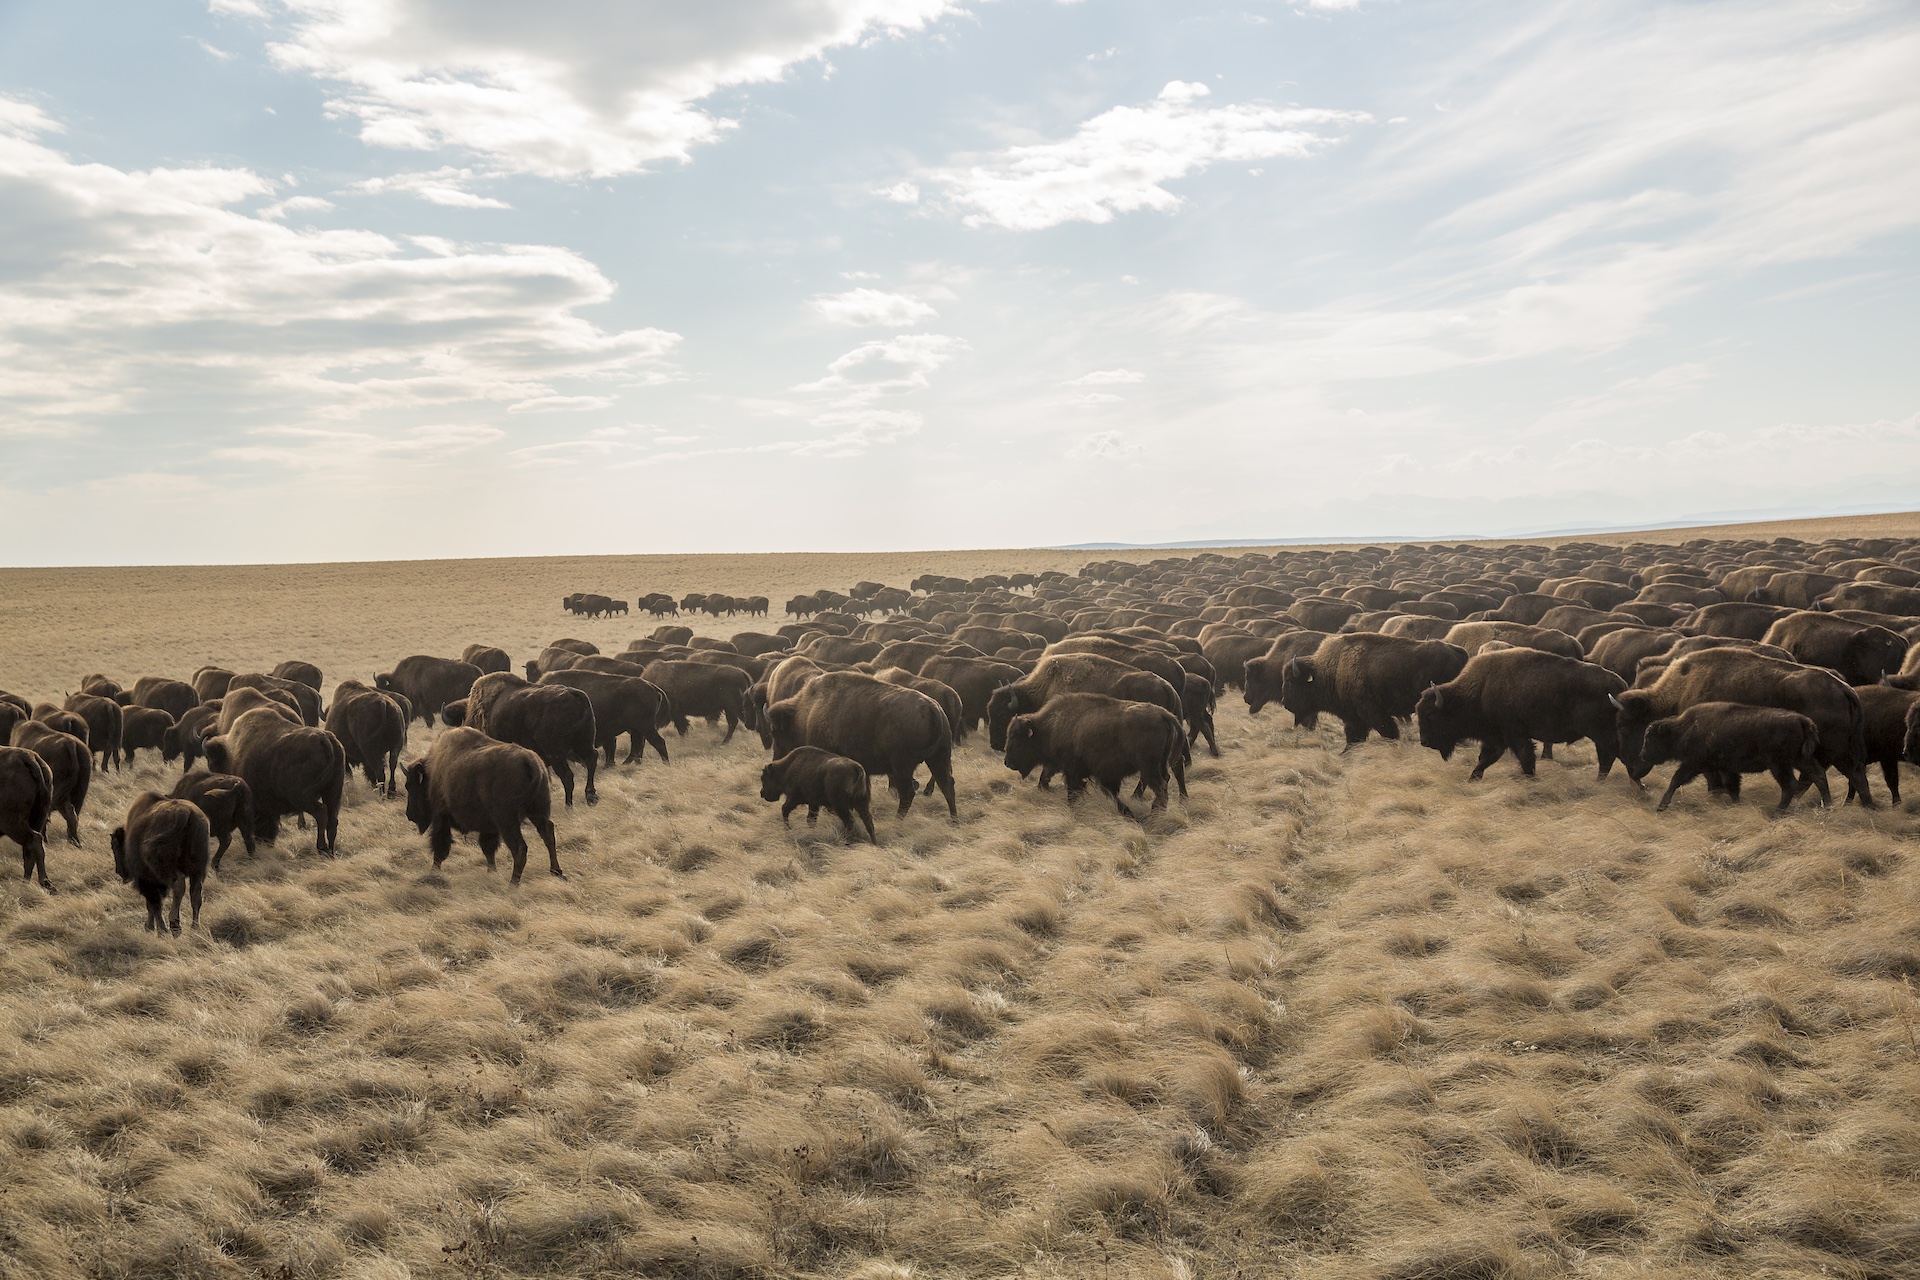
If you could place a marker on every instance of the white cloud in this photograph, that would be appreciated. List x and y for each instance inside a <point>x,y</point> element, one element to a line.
<point>572,87</point>
<point>1106,378</point>
<point>1118,161</point>
<point>858,430</point>
<point>443,186</point>
<point>334,449</point>
<point>560,404</point>
<point>864,307</point>
<point>1093,399</point>
<point>282,209</point>
<point>1111,445</point>
<point>148,291</point>
<point>896,364</point>
<point>901,193</point>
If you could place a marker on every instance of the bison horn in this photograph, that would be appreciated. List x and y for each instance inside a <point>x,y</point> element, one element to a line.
<point>1616,703</point>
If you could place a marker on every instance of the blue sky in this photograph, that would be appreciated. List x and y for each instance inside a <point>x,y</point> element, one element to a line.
<point>348,279</point>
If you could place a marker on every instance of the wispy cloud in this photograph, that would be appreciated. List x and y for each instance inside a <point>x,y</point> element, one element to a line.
<point>872,308</point>
<point>444,186</point>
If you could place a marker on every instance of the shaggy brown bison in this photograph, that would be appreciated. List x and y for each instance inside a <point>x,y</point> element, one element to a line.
<point>303,672</point>
<point>429,683</point>
<point>621,704</point>
<point>70,765</point>
<point>1059,673</point>
<point>941,693</point>
<point>175,697</point>
<point>1370,682</point>
<point>1739,675</point>
<point>1508,699</point>
<point>305,701</point>
<point>372,730</point>
<point>553,721</point>
<point>106,725</point>
<point>974,679</point>
<point>701,689</point>
<point>144,728</point>
<point>820,780</point>
<point>228,803</point>
<point>290,768</point>
<point>1884,710</point>
<point>1621,651</point>
<point>240,701</point>
<point>1265,674</point>
<point>486,658</point>
<point>1860,653</point>
<point>470,782</point>
<point>887,729</point>
<point>1726,739</point>
<point>26,802</point>
<point>162,849</point>
<point>65,721</point>
<point>189,732</point>
<point>1471,635</point>
<point>1107,739</point>
<point>211,682</point>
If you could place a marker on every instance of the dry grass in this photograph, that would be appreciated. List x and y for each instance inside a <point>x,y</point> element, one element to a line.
<point>1339,1015</point>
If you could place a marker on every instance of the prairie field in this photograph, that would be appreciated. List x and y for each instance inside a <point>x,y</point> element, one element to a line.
<point>1334,1015</point>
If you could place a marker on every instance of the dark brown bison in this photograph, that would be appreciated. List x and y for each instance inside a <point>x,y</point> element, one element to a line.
<point>189,732</point>
<point>820,780</point>
<point>1060,673</point>
<point>553,721</point>
<point>228,803</point>
<point>470,782</point>
<point>1371,682</point>
<point>1797,589</point>
<point>887,729</point>
<point>1739,675</point>
<point>372,730</point>
<point>701,689</point>
<point>941,693</point>
<point>175,697</point>
<point>70,765</point>
<point>1621,651</point>
<point>144,728</point>
<point>974,679</point>
<point>26,802</point>
<point>303,695</point>
<point>211,682</point>
<point>162,849</point>
<point>1884,710</point>
<point>1229,652</point>
<point>755,644</point>
<point>240,701</point>
<point>303,672</point>
<point>826,648</point>
<point>290,768</point>
<point>1471,635</point>
<point>486,658</point>
<point>1726,739</point>
<point>101,686</point>
<point>621,704</point>
<point>428,683</point>
<point>1265,674</point>
<point>1508,699</point>
<point>106,725</point>
<point>1091,735</point>
<point>1861,654</point>
<point>65,721</point>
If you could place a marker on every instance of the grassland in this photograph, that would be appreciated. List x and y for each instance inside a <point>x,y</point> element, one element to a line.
<point>1338,1015</point>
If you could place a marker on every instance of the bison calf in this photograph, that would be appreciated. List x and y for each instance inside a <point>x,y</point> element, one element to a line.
<point>1726,739</point>
<point>819,780</point>
<point>162,848</point>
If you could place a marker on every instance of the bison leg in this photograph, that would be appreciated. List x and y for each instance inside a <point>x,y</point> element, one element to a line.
<point>1857,780</point>
<point>1213,744</point>
<point>1490,752</point>
<point>1546,751</point>
<point>178,887</point>
<point>608,743</point>
<point>786,810</point>
<point>1681,777</point>
<point>1046,777</point>
<point>680,725</point>
<point>1607,756</point>
<point>490,845</point>
<point>1783,774</point>
<point>903,787</point>
<point>246,839</point>
<point>845,814</point>
<point>659,745</point>
<point>1113,789</point>
<point>564,772</point>
<point>1523,752</point>
<point>733,722</point>
<point>592,759</point>
<point>226,838</point>
<point>1733,786</point>
<point>516,846</point>
<point>1816,776</point>
<point>440,840</point>
<point>194,885</point>
<point>1890,770</point>
<point>1356,731</point>
<point>72,815</point>
<point>544,826</point>
<point>940,764</point>
<point>813,815</point>
<point>33,859</point>
<point>154,894</point>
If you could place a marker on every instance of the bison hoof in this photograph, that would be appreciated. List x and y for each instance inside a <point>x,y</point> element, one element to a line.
<point>593,797</point>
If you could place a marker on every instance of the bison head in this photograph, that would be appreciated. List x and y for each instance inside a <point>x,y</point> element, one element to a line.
<point>783,724</point>
<point>1300,692</point>
<point>419,810</point>
<point>1260,685</point>
<point>533,671</point>
<point>219,759</point>
<point>772,782</point>
<point>1438,715</point>
<point>1658,742</point>
<point>1634,710</point>
<point>1023,749</point>
<point>384,681</point>
<point>454,714</point>
<point>170,746</point>
<point>119,842</point>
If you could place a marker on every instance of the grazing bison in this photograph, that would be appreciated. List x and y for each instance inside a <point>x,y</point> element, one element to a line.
<point>144,727</point>
<point>621,704</point>
<point>26,802</point>
<point>65,721</point>
<point>1739,675</point>
<point>1107,739</point>
<point>106,725</point>
<point>161,849</point>
<point>175,697</point>
<point>1860,653</point>
<point>1726,739</point>
<point>228,803</point>
<point>70,765</point>
<point>885,728</point>
<point>1508,699</point>
<point>820,780</point>
<point>290,768</point>
<point>101,687</point>
<point>553,721</point>
<point>486,658</point>
<point>302,672</point>
<point>1059,673</point>
<point>701,689</point>
<point>1371,682</point>
<point>470,782</point>
<point>211,682</point>
<point>428,684</point>
<point>372,730</point>
<point>189,732</point>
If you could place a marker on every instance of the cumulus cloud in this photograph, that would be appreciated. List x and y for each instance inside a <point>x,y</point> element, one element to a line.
<point>572,87</point>
<point>1111,445</point>
<point>1119,161</point>
<point>872,307</point>
<point>897,364</point>
<point>153,291</point>
<point>443,186</point>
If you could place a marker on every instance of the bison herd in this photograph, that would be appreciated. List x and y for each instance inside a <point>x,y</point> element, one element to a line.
<point>1723,658</point>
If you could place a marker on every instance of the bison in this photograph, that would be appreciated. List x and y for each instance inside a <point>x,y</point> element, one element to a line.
<point>1107,739</point>
<point>70,765</point>
<point>162,848</point>
<point>290,768</point>
<point>1726,739</point>
<point>470,782</point>
<point>621,704</point>
<point>552,721</point>
<point>1508,699</point>
<point>106,725</point>
<point>887,729</point>
<point>820,780</point>
<point>144,727</point>
<point>26,802</point>
<point>429,683</point>
<point>175,697</point>
<point>486,658</point>
<point>228,803</point>
<point>372,729</point>
<point>701,689</point>
<point>1370,682</point>
<point>1860,653</point>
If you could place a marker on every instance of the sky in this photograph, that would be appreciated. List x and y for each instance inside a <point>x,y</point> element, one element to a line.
<point>305,280</point>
